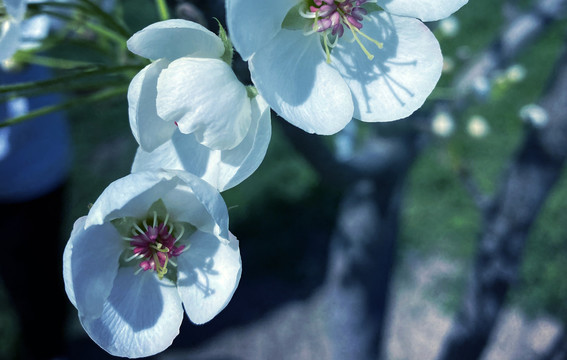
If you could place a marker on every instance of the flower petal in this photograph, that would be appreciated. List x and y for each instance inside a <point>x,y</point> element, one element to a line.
<point>147,127</point>
<point>205,98</point>
<point>426,10</point>
<point>9,38</point>
<point>209,273</point>
<point>16,8</point>
<point>141,317</point>
<point>253,23</point>
<point>90,264</point>
<point>131,195</point>
<point>197,202</point>
<point>172,39</point>
<point>223,169</point>
<point>402,74</point>
<point>292,75</point>
<point>187,198</point>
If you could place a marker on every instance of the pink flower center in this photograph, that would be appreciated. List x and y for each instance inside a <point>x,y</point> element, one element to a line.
<point>155,246</point>
<point>334,15</point>
<point>331,17</point>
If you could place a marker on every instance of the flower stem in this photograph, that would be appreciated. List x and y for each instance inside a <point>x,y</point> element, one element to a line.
<point>102,95</point>
<point>163,10</point>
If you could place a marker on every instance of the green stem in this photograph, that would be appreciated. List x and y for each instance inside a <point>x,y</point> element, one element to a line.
<point>84,73</point>
<point>88,9</point>
<point>55,63</point>
<point>163,10</point>
<point>102,95</point>
<point>99,29</point>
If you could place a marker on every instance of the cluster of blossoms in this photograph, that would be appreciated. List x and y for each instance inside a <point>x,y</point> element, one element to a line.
<point>157,240</point>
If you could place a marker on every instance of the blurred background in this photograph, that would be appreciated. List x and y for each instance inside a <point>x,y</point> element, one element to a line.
<point>434,206</point>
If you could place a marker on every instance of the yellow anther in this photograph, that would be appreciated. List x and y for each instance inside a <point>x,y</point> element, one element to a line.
<point>368,54</point>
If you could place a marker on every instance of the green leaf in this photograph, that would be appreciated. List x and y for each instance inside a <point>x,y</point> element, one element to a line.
<point>372,7</point>
<point>228,49</point>
<point>294,21</point>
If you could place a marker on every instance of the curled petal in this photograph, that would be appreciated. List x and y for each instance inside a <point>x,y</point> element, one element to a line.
<point>209,273</point>
<point>172,39</point>
<point>206,99</point>
<point>222,169</point>
<point>149,130</point>
<point>90,264</point>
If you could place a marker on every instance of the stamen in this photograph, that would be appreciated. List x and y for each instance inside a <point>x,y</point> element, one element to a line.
<point>145,224</point>
<point>155,219</point>
<point>368,54</point>
<point>134,257</point>
<point>327,49</point>
<point>378,43</point>
<point>181,234</point>
<point>166,218</point>
<point>139,230</point>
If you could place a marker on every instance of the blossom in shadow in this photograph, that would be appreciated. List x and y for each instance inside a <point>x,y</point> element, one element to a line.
<point>188,88</point>
<point>153,244</point>
<point>319,63</point>
<point>223,169</point>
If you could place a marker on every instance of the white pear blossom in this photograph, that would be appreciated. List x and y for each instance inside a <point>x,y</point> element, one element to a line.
<point>223,169</point>
<point>188,87</point>
<point>319,63</point>
<point>443,124</point>
<point>449,26</point>
<point>11,17</point>
<point>153,244</point>
<point>477,126</point>
<point>534,115</point>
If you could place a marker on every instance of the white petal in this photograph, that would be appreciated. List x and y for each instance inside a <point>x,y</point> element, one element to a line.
<point>402,74</point>
<point>147,127</point>
<point>239,163</point>
<point>9,38</point>
<point>16,8</point>
<point>172,39</point>
<point>222,169</point>
<point>141,317</point>
<point>253,23</point>
<point>291,73</point>
<point>197,202</point>
<point>205,98</point>
<point>209,273</point>
<point>186,197</point>
<point>131,195</point>
<point>426,10</point>
<point>90,264</point>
